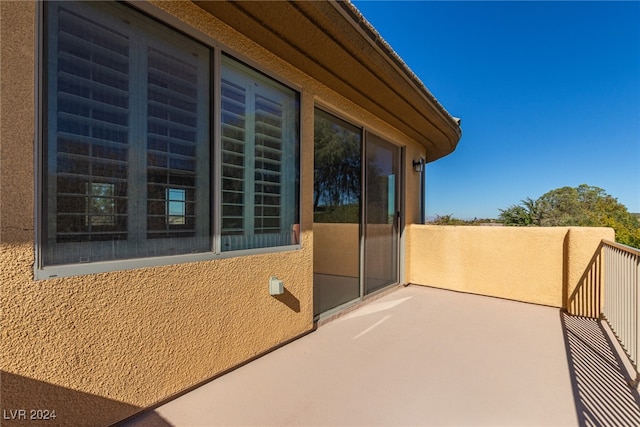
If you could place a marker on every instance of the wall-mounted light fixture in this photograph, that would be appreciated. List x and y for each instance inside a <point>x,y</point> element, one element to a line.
<point>418,165</point>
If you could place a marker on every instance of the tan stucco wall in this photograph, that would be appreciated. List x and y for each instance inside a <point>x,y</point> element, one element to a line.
<point>97,348</point>
<point>541,265</point>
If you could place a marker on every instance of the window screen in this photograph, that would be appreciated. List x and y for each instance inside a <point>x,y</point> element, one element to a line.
<point>260,158</point>
<point>127,136</point>
<point>127,145</point>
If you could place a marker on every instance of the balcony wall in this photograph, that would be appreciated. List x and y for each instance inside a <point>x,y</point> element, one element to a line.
<point>540,265</point>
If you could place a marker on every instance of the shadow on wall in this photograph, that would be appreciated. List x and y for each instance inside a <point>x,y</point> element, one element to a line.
<point>26,402</point>
<point>586,299</point>
<point>288,299</point>
<point>599,379</point>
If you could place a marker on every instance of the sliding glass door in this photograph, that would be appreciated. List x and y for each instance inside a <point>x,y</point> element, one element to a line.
<point>382,214</point>
<point>336,212</point>
<point>356,213</point>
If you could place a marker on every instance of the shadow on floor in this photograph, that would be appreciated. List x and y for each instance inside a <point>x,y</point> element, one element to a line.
<point>599,378</point>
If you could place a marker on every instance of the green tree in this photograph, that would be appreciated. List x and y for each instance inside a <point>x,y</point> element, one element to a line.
<point>337,185</point>
<point>584,206</point>
<point>528,212</point>
<point>447,220</point>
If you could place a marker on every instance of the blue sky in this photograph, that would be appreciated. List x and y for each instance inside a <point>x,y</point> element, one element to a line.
<point>548,94</point>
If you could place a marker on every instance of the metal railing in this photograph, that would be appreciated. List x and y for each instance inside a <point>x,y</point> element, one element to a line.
<point>621,295</point>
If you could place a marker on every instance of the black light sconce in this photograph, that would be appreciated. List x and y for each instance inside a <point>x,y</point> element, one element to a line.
<point>418,165</point>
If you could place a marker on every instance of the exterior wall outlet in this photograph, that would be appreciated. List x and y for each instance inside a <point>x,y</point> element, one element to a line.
<point>276,286</point>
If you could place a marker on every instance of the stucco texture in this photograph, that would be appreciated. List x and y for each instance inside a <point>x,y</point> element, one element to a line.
<point>541,265</point>
<point>97,348</point>
<point>138,336</point>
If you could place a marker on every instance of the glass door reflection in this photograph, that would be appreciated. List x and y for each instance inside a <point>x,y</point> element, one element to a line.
<point>336,212</point>
<point>382,214</point>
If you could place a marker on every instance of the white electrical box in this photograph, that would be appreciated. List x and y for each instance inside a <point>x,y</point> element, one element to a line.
<point>276,286</point>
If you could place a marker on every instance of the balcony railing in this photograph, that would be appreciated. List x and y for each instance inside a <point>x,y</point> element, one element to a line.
<point>621,304</point>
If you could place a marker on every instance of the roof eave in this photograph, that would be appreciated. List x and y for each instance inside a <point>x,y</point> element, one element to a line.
<point>333,43</point>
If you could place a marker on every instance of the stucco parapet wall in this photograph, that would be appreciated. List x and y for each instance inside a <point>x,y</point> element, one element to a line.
<point>541,265</point>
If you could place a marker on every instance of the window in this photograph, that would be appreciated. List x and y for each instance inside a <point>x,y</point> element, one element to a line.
<point>260,157</point>
<point>127,137</point>
<point>176,206</point>
<point>127,143</point>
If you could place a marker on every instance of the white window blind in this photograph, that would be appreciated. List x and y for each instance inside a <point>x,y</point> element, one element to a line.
<point>259,160</point>
<point>269,185</point>
<point>172,146</point>
<point>90,150</point>
<point>127,159</point>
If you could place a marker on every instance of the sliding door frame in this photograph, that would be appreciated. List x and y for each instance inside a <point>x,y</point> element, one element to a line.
<point>400,186</point>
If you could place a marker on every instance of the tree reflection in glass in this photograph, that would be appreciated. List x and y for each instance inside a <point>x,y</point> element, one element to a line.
<point>336,209</point>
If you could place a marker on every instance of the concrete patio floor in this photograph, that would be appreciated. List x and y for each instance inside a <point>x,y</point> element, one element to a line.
<point>424,357</point>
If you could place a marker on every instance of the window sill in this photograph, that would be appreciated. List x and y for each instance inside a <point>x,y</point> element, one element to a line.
<point>82,269</point>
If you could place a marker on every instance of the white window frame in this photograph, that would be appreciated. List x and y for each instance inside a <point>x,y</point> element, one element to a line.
<point>213,186</point>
